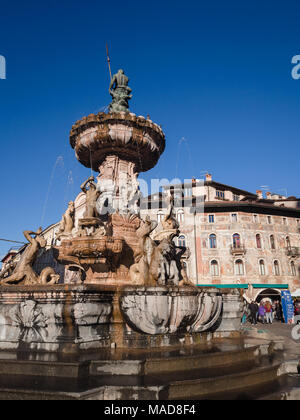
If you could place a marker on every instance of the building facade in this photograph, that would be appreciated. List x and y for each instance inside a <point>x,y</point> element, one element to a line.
<point>233,237</point>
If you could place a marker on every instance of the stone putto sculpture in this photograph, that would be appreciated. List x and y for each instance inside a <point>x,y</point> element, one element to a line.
<point>92,195</point>
<point>67,223</point>
<point>24,273</point>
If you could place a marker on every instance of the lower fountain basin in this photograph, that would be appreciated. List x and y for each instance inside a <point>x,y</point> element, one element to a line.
<point>72,318</point>
<point>163,310</point>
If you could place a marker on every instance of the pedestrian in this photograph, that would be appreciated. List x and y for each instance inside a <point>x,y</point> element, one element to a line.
<point>269,310</point>
<point>279,312</point>
<point>253,312</point>
<point>262,312</point>
<point>273,311</point>
<point>297,308</point>
<point>245,313</point>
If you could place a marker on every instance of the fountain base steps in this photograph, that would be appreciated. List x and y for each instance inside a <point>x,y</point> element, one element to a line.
<point>136,365</point>
<point>224,371</point>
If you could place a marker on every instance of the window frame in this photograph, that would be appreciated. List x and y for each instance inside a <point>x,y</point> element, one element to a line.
<point>182,244</point>
<point>237,267</point>
<point>213,241</point>
<point>215,268</point>
<point>262,264</point>
<point>277,270</point>
<point>211,216</point>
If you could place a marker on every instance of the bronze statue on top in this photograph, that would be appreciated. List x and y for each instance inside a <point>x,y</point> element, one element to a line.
<point>120,93</point>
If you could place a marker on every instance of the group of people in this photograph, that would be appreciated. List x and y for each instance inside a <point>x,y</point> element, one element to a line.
<point>265,312</point>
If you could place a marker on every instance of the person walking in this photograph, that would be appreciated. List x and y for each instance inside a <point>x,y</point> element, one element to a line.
<point>269,311</point>
<point>279,312</point>
<point>253,312</point>
<point>262,312</point>
<point>245,314</point>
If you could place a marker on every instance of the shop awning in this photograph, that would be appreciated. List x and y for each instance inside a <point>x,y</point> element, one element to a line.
<point>246,286</point>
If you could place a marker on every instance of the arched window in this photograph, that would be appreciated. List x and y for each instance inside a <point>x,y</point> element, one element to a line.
<point>236,241</point>
<point>293,269</point>
<point>214,268</point>
<point>182,241</point>
<point>239,268</point>
<point>258,241</point>
<point>160,217</point>
<point>180,216</point>
<point>213,241</point>
<point>276,268</point>
<point>272,242</point>
<point>262,268</point>
<point>288,242</point>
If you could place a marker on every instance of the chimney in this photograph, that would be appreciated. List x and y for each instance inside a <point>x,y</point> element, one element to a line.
<point>208,177</point>
<point>269,196</point>
<point>259,194</point>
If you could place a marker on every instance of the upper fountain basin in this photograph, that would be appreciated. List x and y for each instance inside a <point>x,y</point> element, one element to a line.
<point>132,138</point>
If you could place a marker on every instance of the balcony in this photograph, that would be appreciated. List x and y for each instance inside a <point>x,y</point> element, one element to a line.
<point>293,251</point>
<point>238,249</point>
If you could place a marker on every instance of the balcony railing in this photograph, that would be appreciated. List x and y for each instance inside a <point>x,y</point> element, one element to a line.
<point>238,249</point>
<point>293,251</point>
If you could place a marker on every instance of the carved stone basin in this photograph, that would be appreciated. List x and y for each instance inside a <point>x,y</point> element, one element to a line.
<point>87,250</point>
<point>165,310</point>
<point>131,138</point>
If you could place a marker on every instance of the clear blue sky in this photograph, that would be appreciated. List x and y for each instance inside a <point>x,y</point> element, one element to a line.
<point>217,73</point>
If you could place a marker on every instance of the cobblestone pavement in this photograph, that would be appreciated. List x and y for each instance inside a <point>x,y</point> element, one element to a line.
<point>280,331</point>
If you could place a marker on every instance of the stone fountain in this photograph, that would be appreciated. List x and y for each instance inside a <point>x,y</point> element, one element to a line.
<point>129,290</point>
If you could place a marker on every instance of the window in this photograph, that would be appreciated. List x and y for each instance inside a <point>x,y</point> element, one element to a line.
<point>239,268</point>
<point>188,192</point>
<point>214,268</point>
<point>269,220</point>
<point>213,241</point>
<point>262,268</point>
<point>236,197</point>
<point>211,218</point>
<point>288,242</point>
<point>293,269</point>
<point>272,242</point>
<point>255,218</point>
<point>182,241</point>
<point>221,195</point>
<point>258,241</point>
<point>236,241</point>
<point>234,218</point>
<point>284,221</point>
<point>276,268</point>
<point>160,217</point>
<point>180,216</point>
